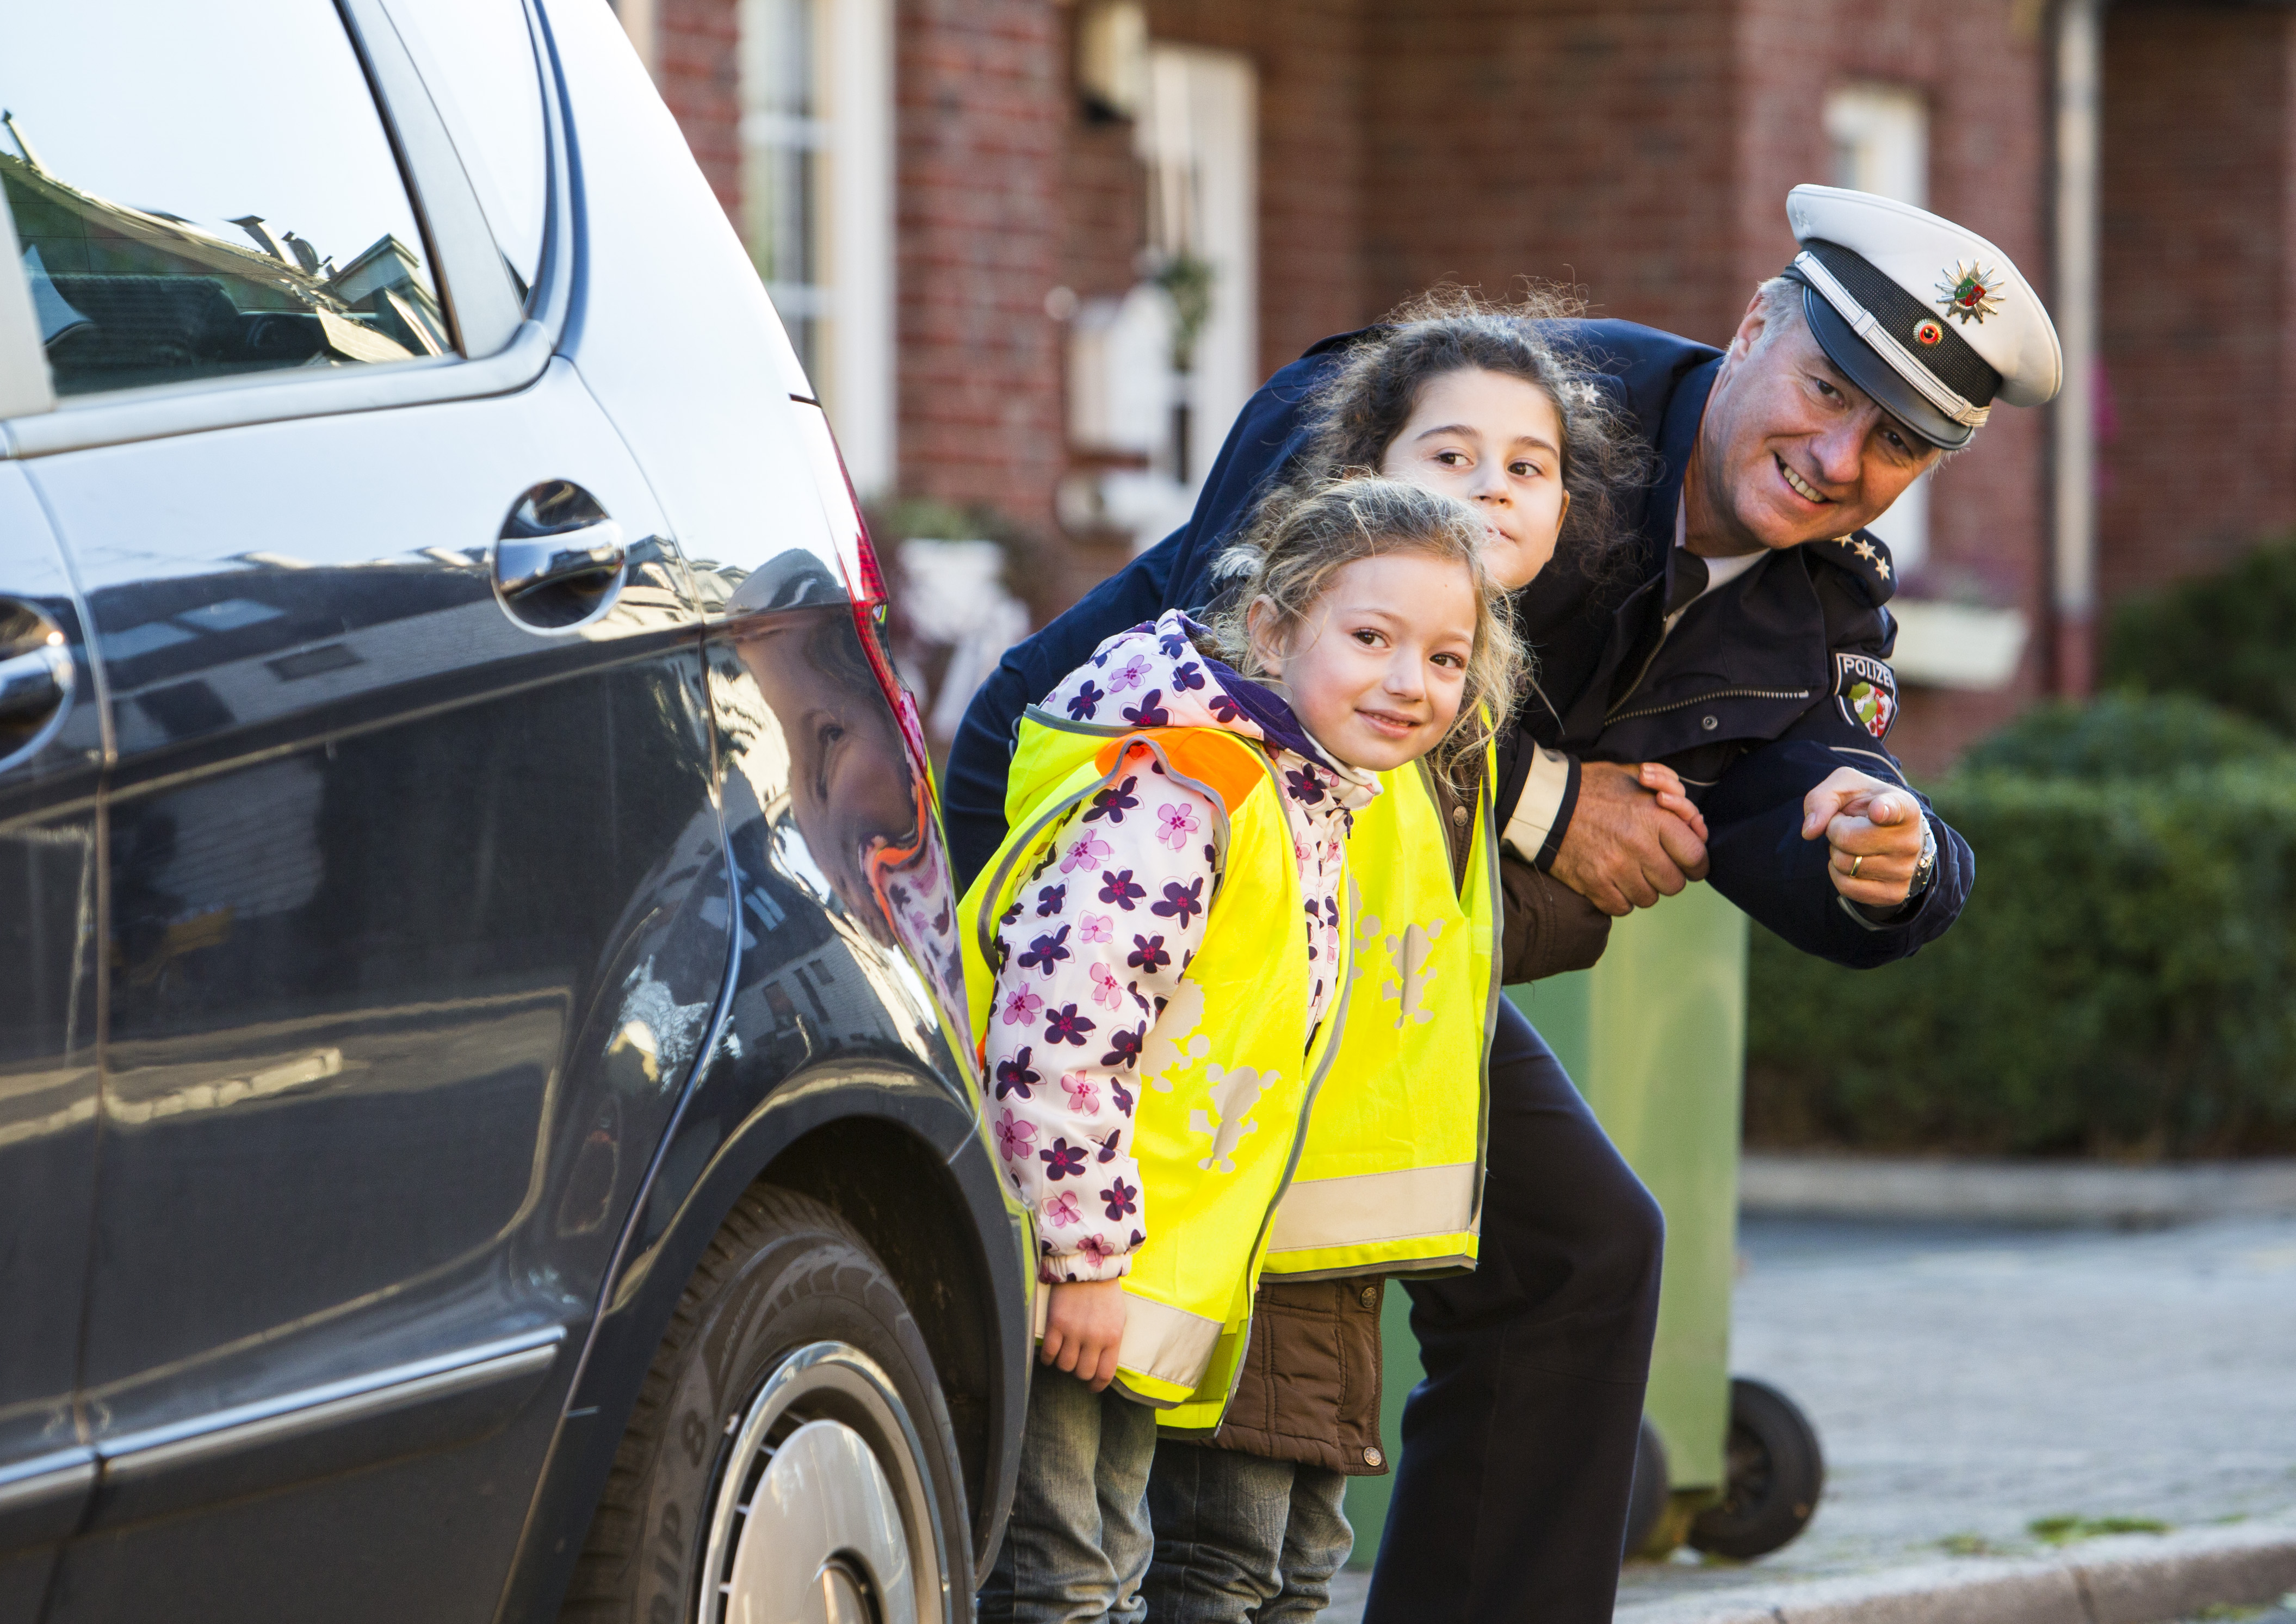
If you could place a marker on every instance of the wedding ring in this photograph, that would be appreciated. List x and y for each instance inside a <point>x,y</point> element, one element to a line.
<point>1855,866</point>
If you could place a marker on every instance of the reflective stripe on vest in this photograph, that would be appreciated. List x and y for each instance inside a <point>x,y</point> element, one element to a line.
<point>1226,1071</point>
<point>1390,1180</point>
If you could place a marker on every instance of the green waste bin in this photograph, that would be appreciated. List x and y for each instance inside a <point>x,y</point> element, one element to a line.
<point>1655,1038</point>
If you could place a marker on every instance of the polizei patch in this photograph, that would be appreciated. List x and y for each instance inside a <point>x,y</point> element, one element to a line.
<point>1866,690</point>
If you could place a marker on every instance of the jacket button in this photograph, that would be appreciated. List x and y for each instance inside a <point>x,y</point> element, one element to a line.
<point>1459,815</point>
<point>1369,1296</point>
<point>1372,1457</point>
<point>1709,723</point>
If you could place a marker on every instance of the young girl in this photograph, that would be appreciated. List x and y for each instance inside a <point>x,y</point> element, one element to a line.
<point>1473,403</point>
<point>1161,967</point>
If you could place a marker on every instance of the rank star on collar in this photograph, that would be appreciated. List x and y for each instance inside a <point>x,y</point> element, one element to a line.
<point>1866,551</point>
<point>1971,294</point>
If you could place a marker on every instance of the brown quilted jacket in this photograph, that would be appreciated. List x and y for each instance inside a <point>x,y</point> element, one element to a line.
<point>1311,1377</point>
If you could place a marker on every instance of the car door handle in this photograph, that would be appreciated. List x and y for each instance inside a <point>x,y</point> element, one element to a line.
<point>559,560</point>
<point>524,565</point>
<point>34,685</point>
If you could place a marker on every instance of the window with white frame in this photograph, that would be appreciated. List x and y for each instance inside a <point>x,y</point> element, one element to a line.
<point>816,80</point>
<point>1881,139</point>
<point>1161,372</point>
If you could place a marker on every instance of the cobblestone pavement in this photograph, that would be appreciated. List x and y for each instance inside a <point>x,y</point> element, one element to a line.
<point>1969,1380</point>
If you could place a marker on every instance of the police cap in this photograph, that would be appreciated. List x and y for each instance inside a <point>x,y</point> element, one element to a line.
<point>1926,317</point>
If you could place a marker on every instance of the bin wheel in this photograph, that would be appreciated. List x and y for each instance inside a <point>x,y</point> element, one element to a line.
<point>1776,1474</point>
<point>1647,1501</point>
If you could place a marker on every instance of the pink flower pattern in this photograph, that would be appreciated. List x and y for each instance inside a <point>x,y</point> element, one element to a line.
<point>1086,853</point>
<point>1176,822</point>
<point>1022,1007</point>
<point>1014,1138</point>
<point>1094,928</point>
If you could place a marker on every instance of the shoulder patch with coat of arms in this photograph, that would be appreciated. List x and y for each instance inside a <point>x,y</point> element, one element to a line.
<point>1866,690</point>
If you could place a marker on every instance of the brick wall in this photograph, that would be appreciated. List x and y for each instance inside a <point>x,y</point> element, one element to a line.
<point>1572,142</point>
<point>983,105</point>
<point>2200,156</point>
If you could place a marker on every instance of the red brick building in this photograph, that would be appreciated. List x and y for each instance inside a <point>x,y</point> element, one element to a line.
<point>967,206</point>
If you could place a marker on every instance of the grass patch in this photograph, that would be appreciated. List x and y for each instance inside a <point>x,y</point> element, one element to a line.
<point>1969,1545</point>
<point>2064,1530</point>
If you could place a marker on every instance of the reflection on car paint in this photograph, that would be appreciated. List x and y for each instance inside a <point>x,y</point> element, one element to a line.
<point>821,795</point>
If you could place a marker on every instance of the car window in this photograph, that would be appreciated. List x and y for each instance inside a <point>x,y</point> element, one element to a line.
<point>201,192</point>
<point>478,60</point>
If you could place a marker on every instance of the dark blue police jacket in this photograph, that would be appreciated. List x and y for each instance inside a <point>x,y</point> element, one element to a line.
<point>1763,687</point>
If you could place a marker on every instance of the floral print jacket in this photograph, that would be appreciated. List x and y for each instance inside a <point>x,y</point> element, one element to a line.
<point>1100,936</point>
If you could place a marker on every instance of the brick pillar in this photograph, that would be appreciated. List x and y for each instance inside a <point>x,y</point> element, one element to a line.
<point>697,67</point>
<point>982,94</point>
<point>2199,318</point>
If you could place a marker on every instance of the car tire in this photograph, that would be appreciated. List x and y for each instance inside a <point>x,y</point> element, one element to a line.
<point>789,1448</point>
<point>1777,1472</point>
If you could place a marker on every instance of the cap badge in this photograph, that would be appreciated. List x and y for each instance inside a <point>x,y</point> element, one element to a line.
<point>1928,333</point>
<point>1971,294</point>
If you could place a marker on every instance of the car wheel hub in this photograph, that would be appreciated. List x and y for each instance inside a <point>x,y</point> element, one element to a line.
<point>807,1526</point>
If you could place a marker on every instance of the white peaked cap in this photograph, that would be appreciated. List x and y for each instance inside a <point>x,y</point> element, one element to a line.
<point>1928,317</point>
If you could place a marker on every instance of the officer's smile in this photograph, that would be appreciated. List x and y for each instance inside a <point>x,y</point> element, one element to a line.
<point>1800,487</point>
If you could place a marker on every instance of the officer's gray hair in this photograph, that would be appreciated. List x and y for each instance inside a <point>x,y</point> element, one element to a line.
<point>1780,301</point>
<point>1306,535</point>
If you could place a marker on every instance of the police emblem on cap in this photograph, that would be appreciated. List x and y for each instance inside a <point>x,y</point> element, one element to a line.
<point>1969,293</point>
<point>1928,334</point>
<point>1866,690</point>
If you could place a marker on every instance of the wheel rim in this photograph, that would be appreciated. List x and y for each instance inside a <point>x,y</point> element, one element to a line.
<point>823,1511</point>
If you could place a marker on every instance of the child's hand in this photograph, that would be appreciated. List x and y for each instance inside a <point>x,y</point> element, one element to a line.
<point>1084,1329</point>
<point>1663,782</point>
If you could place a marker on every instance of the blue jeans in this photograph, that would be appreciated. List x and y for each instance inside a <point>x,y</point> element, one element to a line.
<point>1076,1545</point>
<point>1241,1539</point>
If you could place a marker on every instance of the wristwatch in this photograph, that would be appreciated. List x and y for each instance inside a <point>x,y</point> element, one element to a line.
<point>1925,867</point>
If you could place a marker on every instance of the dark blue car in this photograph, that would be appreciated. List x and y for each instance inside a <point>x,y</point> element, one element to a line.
<point>487,1126</point>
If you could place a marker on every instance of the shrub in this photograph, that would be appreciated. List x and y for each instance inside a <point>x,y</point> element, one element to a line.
<point>2127,735</point>
<point>2224,638</point>
<point>2122,981</point>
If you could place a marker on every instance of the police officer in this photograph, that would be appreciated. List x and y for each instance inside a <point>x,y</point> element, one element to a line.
<point>1748,649</point>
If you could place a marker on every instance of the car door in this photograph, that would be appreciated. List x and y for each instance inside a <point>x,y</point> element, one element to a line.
<point>50,751</point>
<point>416,901</point>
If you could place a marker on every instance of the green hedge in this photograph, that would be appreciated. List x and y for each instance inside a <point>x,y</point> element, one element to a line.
<point>2123,980</point>
<point>2224,637</point>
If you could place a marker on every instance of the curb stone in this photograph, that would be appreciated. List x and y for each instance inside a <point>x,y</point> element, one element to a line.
<point>1816,1185</point>
<point>2128,1580</point>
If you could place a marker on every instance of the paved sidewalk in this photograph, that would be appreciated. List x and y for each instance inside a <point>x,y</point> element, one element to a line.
<point>1785,1184</point>
<point>1969,1380</point>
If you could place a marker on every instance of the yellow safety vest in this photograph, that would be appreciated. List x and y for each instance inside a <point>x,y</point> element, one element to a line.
<point>1390,1181</point>
<point>1227,1073</point>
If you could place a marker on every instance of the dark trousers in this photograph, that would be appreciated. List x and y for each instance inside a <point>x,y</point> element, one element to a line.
<point>1518,1447</point>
